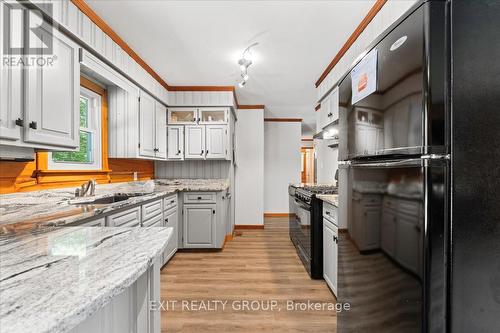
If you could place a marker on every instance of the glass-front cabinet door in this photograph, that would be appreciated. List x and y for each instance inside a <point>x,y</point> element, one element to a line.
<point>177,116</point>
<point>213,115</point>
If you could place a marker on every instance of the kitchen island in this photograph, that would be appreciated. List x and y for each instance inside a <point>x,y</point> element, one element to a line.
<point>81,279</point>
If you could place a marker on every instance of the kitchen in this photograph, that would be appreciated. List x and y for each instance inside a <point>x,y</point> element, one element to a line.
<point>131,204</point>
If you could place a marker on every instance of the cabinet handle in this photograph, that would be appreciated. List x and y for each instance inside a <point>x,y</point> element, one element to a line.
<point>172,201</point>
<point>178,152</point>
<point>166,220</point>
<point>206,153</point>
<point>327,213</point>
<point>213,211</point>
<point>33,125</point>
<point>329,115</point>
<point>199,198</point>
<point>199,119</point>
<point>418,227</point>
<point>202,152</point>
<point>194,120</point>
<point>19,122</point>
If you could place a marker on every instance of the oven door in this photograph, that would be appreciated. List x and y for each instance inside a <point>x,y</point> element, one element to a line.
<point>300,229</point>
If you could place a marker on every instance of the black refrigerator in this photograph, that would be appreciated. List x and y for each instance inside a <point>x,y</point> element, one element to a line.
<point>419,121</point>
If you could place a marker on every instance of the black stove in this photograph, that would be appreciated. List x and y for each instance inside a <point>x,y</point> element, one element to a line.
<point>306,224</point>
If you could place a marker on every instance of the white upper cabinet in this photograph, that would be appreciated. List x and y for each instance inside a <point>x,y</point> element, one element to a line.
<point>216,142</point>
<point>152,128</point>
<point>195,142</point>
<point>10,81</point>
<point>184,116</point>
<point>175,140</point>
<point>329,111</point>
<point>161,131</point>
<point>52,94</point>
<point>213,115</point>
<point>147,126</point>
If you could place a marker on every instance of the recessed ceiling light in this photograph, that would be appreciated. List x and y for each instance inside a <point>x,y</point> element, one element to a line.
<point>398,43</point>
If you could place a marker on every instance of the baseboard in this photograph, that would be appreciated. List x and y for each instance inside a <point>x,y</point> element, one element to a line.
<point>249,226</point>
<point>277,214</point>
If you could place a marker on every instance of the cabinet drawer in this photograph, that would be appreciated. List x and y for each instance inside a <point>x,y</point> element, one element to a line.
<point>127,218</point>
<point>411,208</point>
<point>371,199</point>
<point>199,197</point>
<point>390,202</point>
<point>330,212</point>
<point>151,209</point>
<point>95,223</point>
<point>169,202</point>
<point>155,221</point>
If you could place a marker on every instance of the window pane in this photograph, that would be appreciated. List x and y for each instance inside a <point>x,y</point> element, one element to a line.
<point>84,155</point>
<point>84,112</point>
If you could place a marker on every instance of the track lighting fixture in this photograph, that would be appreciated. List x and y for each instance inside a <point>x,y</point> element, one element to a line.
<point>244,63</point>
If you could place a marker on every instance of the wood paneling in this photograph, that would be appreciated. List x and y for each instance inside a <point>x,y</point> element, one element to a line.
<point>201,169</point>
<point>257,265</point>
<point>251,107</point>
<point>360,28</point>
<point>284,120</point>
<point>34,176</point>
<point>82,5</point>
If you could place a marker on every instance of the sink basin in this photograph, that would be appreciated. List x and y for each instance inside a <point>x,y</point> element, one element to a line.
<point>105,200</point>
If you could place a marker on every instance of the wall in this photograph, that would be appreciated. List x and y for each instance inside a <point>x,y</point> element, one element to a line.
<point>282,141</point>
<point>249,169</point>
<point>326,161</point>
<point>192,169</point>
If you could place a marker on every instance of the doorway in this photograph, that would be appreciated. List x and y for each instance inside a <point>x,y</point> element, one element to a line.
<point>307,162</point>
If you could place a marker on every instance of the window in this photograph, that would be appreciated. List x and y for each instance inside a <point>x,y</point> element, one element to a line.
<point>88,157</point>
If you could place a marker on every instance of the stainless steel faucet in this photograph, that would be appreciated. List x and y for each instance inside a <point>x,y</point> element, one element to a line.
<point>87,189</point>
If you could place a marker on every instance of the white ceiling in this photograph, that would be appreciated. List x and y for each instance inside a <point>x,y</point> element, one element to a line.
<point>199,42</point>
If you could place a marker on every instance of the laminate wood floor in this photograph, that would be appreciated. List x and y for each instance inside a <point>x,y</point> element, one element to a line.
<point>260,267</point>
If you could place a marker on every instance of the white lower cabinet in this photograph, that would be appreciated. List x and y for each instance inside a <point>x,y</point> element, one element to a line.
<point>199,225</point>
<point>170,220</point>
<point>366,220</point>
<point>101,222</point>
<point>330,253</point>
<point>127,218</point>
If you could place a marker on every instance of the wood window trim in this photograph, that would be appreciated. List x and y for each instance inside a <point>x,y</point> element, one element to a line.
<point>42,158</point>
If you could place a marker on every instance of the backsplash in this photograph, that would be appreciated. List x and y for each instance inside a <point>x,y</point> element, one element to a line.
<point>192,169</point>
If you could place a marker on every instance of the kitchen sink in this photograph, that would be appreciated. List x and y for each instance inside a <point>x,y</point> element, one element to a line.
<point>105,200</point>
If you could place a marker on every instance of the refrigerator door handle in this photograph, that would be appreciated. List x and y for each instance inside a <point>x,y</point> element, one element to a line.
<point>388,164</point>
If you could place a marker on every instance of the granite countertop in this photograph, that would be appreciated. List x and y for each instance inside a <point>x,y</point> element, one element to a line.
<point>57,207</point>
<point>50,281</point>
<point>332,199</point>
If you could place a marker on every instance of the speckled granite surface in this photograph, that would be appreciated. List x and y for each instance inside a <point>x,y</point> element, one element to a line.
<point>52,281</point>
<point>57,207</point>
<point>330,198</point>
